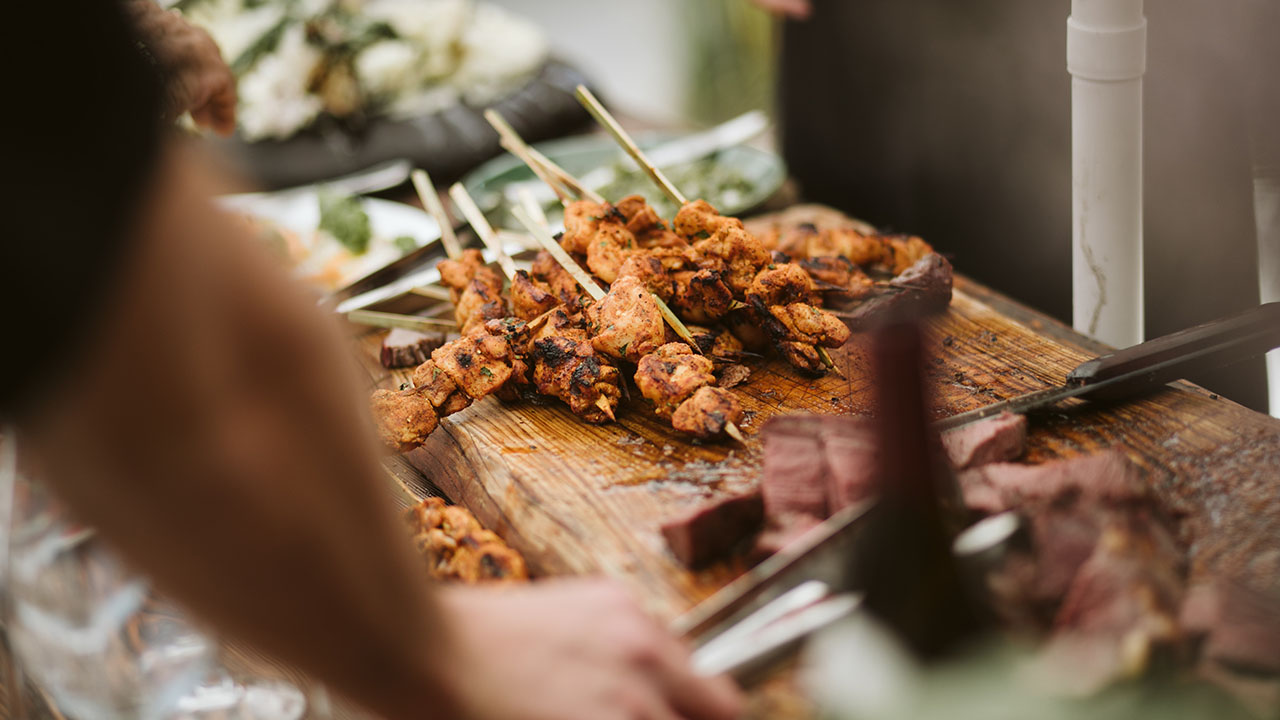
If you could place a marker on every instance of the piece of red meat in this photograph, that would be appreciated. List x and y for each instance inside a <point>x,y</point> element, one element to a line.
<point>405,348</point>
<point>996,439</point>
<point>1106,476</point>
<point>1239,626</point>
<point>714,530</point>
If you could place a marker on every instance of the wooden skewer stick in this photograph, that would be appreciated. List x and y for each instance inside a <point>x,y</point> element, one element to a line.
<point>431,201</point>
<point>431,291</point>
<point>394,320</point>
<point>602,116</point>
<point>462,199</point>
<point>826,360</point>
<point>543,236</point>
<point>538,170</point>
<point>512,141</point>
<point>732,431</point>
<point>531,205</point>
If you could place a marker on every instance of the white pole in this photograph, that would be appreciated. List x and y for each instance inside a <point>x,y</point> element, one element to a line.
<point>1266,204</point>
<point>1106,54</point>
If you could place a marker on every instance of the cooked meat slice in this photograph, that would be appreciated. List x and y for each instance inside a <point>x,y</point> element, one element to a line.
<point>848,243</point>
<point>1238,621</point>
<point>479,303</point>
<point>700,297</point>
<point>997,439</point>
<point>742,255</point>
<point>706,414</point>
<point>698,220</point>
<point>581,219</point>
<point>626,324</point>
<point>558,281</point>
<point>747,328</point>
<point>470,365</point>
<point>608,249</point>
<point>808,324</point>
<point>405,348</point>
<point>648,270</point>
<point>404,418</point>
<point>733,375</point>
<point>434,383</point>
<point>831,269</point>
<point>529,298</point>
<point>573,372</point>
<point>782,285</point>
<point>456,274</point>
<point>714,530</point>
<point>671,375</point>
<point>1105,476</point>
<point>904,251</point>
<point>793,479</point>
<point>802,356</point>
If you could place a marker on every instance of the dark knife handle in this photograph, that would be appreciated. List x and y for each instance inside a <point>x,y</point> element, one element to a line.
<point>1186,352</point>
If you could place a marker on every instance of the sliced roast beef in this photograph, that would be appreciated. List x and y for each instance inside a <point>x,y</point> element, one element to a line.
<point>997,439</point>
<point>781,531</point>
<point>1239,625</point>
<point>793,479</point>
<point>405,348</point>
<point>1106,476</point>
<point>851,461</point>
<point>713,531</point>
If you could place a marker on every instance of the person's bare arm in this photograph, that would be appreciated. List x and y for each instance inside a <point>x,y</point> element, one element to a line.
<point>215,434</point>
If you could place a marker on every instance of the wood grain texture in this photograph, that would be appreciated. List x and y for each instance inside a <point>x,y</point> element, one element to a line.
<point>579,499</point>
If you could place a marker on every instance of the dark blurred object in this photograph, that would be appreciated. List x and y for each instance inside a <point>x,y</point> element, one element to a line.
<point>952,121</point>
<point>445,144</point>
<point>904,562</point>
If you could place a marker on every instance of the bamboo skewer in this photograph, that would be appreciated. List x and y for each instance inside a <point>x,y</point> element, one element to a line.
<point>825,357</point>
<point>540,164</point>
<point>531,205</point>
<point>395,320</point>
<point>431,201</point>
<point>433,292</point>
<point>543,236</point>
<point>606,119</point>
<point>462,199</point>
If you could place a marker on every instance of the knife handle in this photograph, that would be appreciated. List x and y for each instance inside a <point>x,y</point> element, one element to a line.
<point>1185,352</point>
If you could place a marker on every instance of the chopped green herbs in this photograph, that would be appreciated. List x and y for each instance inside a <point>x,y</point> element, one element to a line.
<point>344,219</point>
<point>405,244</point>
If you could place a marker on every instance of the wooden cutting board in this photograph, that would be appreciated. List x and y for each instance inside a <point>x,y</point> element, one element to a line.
<point>582,499</point>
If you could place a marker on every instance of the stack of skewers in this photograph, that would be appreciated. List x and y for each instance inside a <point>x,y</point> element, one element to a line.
<point>662,303</point>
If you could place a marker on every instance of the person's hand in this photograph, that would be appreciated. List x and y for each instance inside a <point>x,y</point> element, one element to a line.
<point>798,9</point>
<point>199,80</point>
<point>570,650</point>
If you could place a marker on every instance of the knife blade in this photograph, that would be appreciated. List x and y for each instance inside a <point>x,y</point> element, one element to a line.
<point>1149,365</point>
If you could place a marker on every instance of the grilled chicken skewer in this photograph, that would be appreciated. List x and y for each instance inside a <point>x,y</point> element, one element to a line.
<point>628,325</point>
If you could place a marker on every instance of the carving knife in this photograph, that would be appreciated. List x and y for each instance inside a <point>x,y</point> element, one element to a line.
<point>1147,366</point>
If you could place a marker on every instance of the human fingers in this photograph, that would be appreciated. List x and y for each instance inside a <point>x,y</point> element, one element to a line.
<point>692,696</point>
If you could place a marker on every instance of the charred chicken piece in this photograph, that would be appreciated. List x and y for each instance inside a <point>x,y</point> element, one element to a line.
<point>581,220</point>
<point>456,547</point>
<point>557,323</point>
<point>839,272</point>
<point>608,249</point>
<point>404,418</point>
<point>515,333</point>
<point>433,383</point>
<point>572,371</point>
<point>649,271</point>
<point>626,324</point>
<point>783,284</point>
<point>671,375</point>
<point>477,365</point>
<point>530,298</point>
<point>747,328</point>
<point>481,556</point>
<point>698,220</point>
<point>858,248</point>
<point>802,356</point>
<point>701,296</point>
<point>547,271</point>
<point>707,412</point>
<point>675,258</point>
<point>716,342</point>
<point>456,274</point>
<point>475,287</point>
<point>808,324</point>
<point>903,251</point>
<point>740,253</point>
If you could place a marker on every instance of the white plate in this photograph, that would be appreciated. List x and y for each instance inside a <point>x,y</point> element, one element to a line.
<point>326,262</point>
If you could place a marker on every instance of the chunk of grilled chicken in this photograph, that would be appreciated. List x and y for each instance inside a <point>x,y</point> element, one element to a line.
<point>581,221</point>
<point>808,324</point>
<point>572,371</point>
<point>706,414</point>
<point>403,418</point>
<point>626,323</point>
<point>715,342</point>
<point>649,270</point>
<point>478,365</point>
<point>646,225</point>
<point>698,220</point>
<point>547,271</point>
<point>479,303</point>
<point>671,375</point>
<point>802,356</point>
<point>481,556</point>
<point>557,323</point>
<point>456,547</point>
<point>746,326</point>
<point>780,284</point>
<point>841,276</point>
<point>531,298</point>
<point>700,296</point>
<point>456,274</point>
<point>608,249</point>
<point>434,383</point>
<point>903,251</point>
<point>858,248</point>
<point>739,253</point>
<point>515,333</point>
